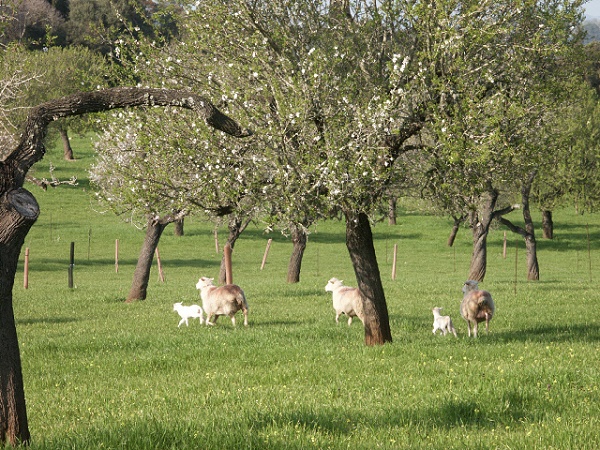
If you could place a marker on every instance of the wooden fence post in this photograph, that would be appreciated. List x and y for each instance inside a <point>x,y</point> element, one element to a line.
<point>264,260</point>
<point>71,265</point>
<point>116,256</point>
<point>161,274</point>
<point>228,264</point>
<point>26,269</point>
<point>394,261</point>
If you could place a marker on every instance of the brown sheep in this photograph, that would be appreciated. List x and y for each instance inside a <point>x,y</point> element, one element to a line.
<point>476,306</point>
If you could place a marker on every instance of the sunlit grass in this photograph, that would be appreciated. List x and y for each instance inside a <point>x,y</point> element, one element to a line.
<point>100,373</point>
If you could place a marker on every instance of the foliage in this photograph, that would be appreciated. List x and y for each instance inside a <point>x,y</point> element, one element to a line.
<point>52,73</point>
<point>150,167</point>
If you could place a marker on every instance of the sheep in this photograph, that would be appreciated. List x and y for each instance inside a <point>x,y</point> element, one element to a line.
<point>476,306</point>
<point>346,300</point>
<point>222,301</point>
<point>187,312</point>
<point>442,323</point>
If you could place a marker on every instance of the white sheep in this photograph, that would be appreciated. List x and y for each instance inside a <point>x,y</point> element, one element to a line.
<point>442,323</point>
<point>187,312</point>
<point>346,300</point>
<point>222,301</point>
<point>476,306</point>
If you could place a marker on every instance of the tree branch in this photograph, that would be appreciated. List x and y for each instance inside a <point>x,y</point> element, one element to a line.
<point>31,148</point>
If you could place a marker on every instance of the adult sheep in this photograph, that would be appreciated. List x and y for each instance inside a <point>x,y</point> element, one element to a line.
<point>346,300</point>
<point>476,306</point>
<point>221,301</point>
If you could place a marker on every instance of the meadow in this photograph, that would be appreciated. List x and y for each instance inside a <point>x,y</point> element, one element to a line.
<point>103,374</point>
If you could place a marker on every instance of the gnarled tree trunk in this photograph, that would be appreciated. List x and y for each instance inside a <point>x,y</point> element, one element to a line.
<point>19,210</point>
<point>67,149</point>
<point>178,227</point>
<point>359,241</point>
<point>392,211</point>
<point>236,228</point>
<point>480,225</point>
<point>299,239</point>
<point>547,225</point>
<point>528,233</point>
<point>455,228</point>
<point>141,275</point>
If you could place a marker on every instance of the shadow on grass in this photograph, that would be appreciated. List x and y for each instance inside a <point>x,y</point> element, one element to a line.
<point>49,320</point>
<point>548,333</point>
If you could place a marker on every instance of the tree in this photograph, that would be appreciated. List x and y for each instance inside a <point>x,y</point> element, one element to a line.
<point>153,171</point>
<point>338,97</point>
<point>55,72</point>
<point>19,210</point>
<point>497,98</point>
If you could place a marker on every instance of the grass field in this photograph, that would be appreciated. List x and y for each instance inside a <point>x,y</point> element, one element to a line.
<point>102,374</point>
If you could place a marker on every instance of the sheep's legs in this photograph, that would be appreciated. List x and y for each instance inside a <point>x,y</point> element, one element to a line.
<point>233,319</point>
<point>245,317</point>
<point>475,327</point>
<point>349,320</point>
<point>181,322</point>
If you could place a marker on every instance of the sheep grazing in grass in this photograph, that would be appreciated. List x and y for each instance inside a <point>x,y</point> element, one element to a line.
<point>477,306</point>
<point>442,323</point>
<point>346,300</point>
<point>222,301</point>
<point>187,312</point>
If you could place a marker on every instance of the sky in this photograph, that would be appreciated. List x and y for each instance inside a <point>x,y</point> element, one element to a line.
<point>592,9</point>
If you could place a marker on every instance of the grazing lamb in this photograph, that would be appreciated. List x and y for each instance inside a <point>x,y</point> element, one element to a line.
<point>187,312</point>
<point>346,300</point>
<point>222,301</point>
<point>476,306</point>
<point>442,323</point>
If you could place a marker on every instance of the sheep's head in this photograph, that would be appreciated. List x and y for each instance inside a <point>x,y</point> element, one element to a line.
<point>470,285</point>
<point>204,282</point>
<point>437,309</point>
<point>333,284</point>
<point>176,306</point>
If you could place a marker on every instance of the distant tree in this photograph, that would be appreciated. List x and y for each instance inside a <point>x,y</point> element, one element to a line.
<point>153,172</point>
<point>55,72</point>
<point>30,22</point>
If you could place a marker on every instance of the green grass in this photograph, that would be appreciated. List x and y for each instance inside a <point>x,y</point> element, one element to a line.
<point>100,373</point>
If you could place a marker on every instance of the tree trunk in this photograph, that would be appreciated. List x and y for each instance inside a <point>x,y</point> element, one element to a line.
<point>392,211</point>
<point>547,225</point>
<point>236,228</point>
<point>299,239</point>
<point>178,227</point>
<point>359,241</point>
<point>528,233</point>
<point>18,212</point>
<point>455,228</point>
<point>68,151</point>
<point>479,258</point>
<point>141,276</point>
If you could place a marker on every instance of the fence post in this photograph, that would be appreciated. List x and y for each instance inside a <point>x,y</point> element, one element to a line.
<point>161,274</point>
<point>394,261</point>
<point>264,260</point>
<point>228,264</point>
<point>71,265</point>
<point>26,269</point>
<point>116,256</point>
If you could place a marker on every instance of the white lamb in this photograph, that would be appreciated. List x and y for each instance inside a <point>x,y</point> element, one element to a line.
<point>346,300</point>
<point>222,301</point>
<point>442,323</point>
<point>187,312</point>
